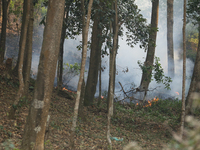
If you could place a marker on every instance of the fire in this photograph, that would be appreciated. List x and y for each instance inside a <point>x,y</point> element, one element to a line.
<point>102,97</point>
<point>150,102</point>
<point>68,90</point>
<point>177,93</point>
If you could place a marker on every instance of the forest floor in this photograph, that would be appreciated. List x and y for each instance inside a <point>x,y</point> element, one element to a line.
<point>144,125</point>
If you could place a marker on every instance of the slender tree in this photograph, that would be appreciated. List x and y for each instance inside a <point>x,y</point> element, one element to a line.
<point>33,137</point>
<point>28,51</point>
<point>84,54</point>
<point>5,4</point>
<point>192,12</point>
<point>113,52</point>
<point>184,71</point>
<point>170,43</point>
<point>148,64</point>
<point>60,56</point>
<point>26,15</point>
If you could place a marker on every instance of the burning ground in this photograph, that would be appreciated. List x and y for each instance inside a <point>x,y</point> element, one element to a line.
<point>142,123</point>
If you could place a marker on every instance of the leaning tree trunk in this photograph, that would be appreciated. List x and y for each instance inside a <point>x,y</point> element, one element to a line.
<point>148,64</point>
<point>170,43</point>
<point>85,29</point>
<point>26,10</point>
<point>34,132</point>
<point>5,4</point>
<point>95,56</point>
<point>184,71</point>
<point>195,82</point>
<point>28,52</point>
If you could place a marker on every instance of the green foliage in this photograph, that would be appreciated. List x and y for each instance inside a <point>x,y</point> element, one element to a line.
<point>70,71</point>
<point>193,11</point>
<point>16,7</point>
<point>158,73</point>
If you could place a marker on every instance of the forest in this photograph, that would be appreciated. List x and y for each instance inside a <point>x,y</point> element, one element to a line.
<point>99,74</point>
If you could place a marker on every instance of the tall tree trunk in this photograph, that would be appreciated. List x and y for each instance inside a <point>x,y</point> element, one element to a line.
<point>33,137</point>
<point>170,43</point>
<point>99,99</point>
<point>95,56</point>
<point>28,52</point>
<point>112,71</point>
<point>84,55</point>
<point>81,113</point>
<point>60,56</point>
<point>5,4</point>
<point>146,73</point>
<point>184,71</point>
<point>194,85</point>
<point>26,12</point>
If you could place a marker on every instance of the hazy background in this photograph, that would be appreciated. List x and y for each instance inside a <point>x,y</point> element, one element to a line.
<point>128,57</point>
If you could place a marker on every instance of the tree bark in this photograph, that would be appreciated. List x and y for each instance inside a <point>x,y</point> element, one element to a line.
<point>95,56</point>
<point>26,12</point>
<point>146,74</point>
<point>5,4</point>
<point>170,43</point>
<point>33,137</point>
<point>195,82</point>
<point>112,71</point>
<point>28,52</point>
<point>184,71</point>
<point>84,55</point>
<point>99,99</point>
<point>60,56</point>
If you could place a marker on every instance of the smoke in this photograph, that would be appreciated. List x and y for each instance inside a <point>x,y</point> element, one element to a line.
<point>128,57</point>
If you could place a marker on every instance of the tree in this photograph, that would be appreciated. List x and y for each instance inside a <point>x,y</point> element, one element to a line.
<point>33,137</point>
<point>112,61</point>
<point>193,13</point>
<point>28,52</point>
<point>5,4</point>
<point>85,29</point>
<point>148,64</point>
<point>170,44</point>
<point>60,57</point>
<point>26,15</point>
<point>184,71</point>
<point>95,57</point>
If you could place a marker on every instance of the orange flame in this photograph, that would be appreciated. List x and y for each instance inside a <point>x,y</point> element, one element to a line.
<point>177,93</point>
<point>150,102</point>
<point>68,90</point>
<point>102,97</point>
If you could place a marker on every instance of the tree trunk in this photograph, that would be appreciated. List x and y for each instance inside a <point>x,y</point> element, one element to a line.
<point>112,71</point>
<point>81,113</point>
<point>84,55</point>
<point>99,99</point>
<point>33,137</point>
<point>170,43</point>
<point>184,71</point>
<point>5,4</point>
<point>95,56</point>
<point>26,10</point>
<point>195,82</point>
<point>146,74</point>
<point>28,52</point>
<point>60,56</point>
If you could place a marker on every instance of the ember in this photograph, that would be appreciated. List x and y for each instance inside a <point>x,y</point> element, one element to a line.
<point>68,90</point>
<point>150,102</point>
